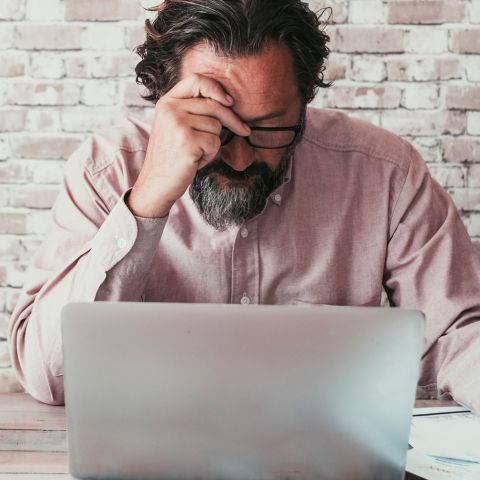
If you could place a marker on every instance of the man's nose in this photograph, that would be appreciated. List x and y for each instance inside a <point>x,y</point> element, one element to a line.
<point>238,154</point>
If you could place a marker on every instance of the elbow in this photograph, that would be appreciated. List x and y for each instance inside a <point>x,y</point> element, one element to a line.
<point>51,394</point>
<point>45,389</point>
<point>36,378</point>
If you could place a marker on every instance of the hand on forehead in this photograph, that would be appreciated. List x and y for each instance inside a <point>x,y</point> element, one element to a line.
<point>262,85</point>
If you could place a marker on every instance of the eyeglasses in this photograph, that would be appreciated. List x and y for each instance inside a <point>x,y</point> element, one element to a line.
<point>265,137</point>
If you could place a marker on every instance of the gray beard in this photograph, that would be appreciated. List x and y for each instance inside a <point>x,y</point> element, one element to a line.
<point>239,196</point>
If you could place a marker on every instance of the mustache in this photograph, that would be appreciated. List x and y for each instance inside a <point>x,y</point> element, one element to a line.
<point>221,167</point>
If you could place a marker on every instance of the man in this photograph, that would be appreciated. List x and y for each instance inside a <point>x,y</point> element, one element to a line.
<point>238,194</point>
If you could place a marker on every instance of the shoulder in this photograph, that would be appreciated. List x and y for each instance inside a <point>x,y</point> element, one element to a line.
<point>338,132</point>
<point>109,161</point>
<point>115,145</point>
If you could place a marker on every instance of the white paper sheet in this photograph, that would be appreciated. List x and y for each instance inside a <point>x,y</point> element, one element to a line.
<point>436,468</point>
<point>455,435</point>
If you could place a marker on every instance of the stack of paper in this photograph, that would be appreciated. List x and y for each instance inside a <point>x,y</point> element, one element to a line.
<point>446,444</point>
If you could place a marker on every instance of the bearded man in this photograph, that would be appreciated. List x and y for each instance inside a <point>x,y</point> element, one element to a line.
<point>237,193</point>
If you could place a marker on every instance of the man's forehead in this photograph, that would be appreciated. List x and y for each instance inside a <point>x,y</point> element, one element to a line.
<point>260,84</point>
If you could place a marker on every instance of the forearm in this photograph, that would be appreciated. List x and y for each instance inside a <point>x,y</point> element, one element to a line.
<point>114,265</point>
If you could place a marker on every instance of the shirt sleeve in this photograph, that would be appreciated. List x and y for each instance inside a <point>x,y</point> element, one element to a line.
<point>432,265</point>
<point>91,252</point>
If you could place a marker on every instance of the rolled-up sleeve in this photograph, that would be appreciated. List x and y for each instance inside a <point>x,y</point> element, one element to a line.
<point>95,249</point>
<point>432,265</point>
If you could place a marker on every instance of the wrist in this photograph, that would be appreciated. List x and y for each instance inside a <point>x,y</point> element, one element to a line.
<point>141,206</point>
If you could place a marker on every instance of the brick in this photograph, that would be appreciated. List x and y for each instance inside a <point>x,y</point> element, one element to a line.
<point>364,97</point>
<point>4,322</point>
<point>45,171</point>
<point>474,175</point>
<point>10,247</point>
<point>461,149</point>
<point>45,10</point>
<point>336,67</point>
<point>424,123</point>
<point>33,196</point>
<point>30,245</point>
<point>12,9</point>
<point>367,11</point>
<point>12,64</point>
<point>5,151</point>
<point>369,40</point>
<point>38,222</point>
<point>448,176</point>
<point>80,119</point>
<point>465,41</point>
<point>466,199</point>
<point>101,65</point>
<point>145,114</point>
<point>44,146</point>
<point>12,120</point>
<point>42,119</point>
<point>420,96</point>
<point>100,93</point>
<point>472,222</point>
<point>472,67</point>
<point>46,65</point>
<point>134,36</point>
<point>11,298</point>
<point>130,92</point>
<point>43,93</point>
<point>14,274</point>
<point>368,68</point>
<point>13,222</point>
<point>369,116</point>
<point>5,360</point>
<point>9,381</point>
<point>6,35</point>
<point>339,10</point>
<point>413,68</point>
<point>429,148</point>
<point>426,40</point>
<point>475,11</point>
<point>3,92</point>
<point>12,171</point>
<point>473,123</point>
<point>49,37</point>
<point>463,97</point>
<point>425,11</point>
<point>104,10</point>
<point>103,37</point>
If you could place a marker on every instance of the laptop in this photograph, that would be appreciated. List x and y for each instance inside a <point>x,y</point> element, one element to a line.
<point>205,391</point>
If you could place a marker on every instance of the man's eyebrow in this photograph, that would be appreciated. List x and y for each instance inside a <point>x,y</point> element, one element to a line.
<point>268,116</point>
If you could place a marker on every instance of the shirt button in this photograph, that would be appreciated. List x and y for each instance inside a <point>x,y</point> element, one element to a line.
<point>245,300</point>
<point>277,197</point>
<point>244,232</point>
<point>121,243</point>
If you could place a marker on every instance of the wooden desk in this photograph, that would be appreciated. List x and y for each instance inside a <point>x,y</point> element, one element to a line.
<point>33,439</point>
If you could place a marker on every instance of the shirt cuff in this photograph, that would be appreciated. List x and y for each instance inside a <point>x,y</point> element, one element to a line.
<point>123,233</point>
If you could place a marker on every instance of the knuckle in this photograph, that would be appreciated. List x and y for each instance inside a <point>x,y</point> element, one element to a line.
<point>217,126</point>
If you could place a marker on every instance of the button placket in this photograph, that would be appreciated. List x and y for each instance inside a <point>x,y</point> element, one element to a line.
<point>245,266</point>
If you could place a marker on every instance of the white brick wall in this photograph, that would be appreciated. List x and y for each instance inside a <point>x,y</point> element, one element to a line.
<point>66,69</point>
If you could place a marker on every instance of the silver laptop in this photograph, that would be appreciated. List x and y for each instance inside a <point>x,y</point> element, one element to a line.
<point>197,391</point>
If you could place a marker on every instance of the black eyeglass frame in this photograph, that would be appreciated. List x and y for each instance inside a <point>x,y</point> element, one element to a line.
<point>294,128</point>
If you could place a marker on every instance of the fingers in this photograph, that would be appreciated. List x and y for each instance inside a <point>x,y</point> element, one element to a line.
<point>196,85</point>
<point>211,108</point>
<point>208,147</point>
<point>202,123</point>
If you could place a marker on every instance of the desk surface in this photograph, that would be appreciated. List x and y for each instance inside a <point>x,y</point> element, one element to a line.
<point>33,439</point>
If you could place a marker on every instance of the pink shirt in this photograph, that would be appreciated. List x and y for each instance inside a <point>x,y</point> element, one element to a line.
<point>358,212</point>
